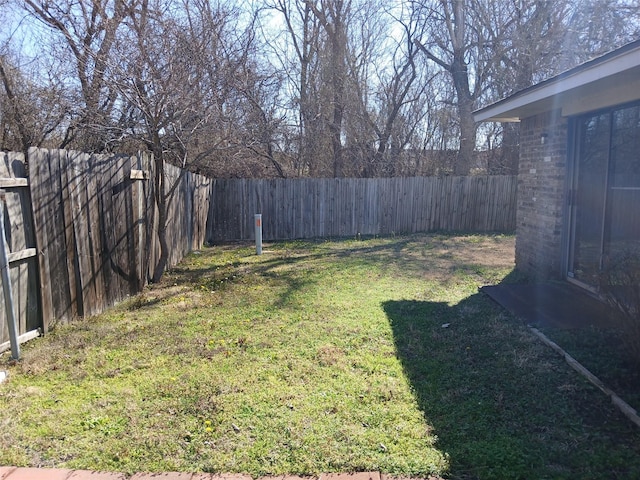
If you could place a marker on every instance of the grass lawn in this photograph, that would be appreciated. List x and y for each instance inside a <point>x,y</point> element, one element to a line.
<point>377,354</point>
<point>602,351</point>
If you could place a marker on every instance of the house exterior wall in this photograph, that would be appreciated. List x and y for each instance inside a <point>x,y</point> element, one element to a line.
<point>541,195</point>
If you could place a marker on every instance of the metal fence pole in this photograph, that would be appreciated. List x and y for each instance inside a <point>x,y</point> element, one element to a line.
<point>258,219</point>
<point>6,285</point>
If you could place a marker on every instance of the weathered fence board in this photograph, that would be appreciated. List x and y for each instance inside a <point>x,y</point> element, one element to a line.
<point>94,220</point>
<point>97,226</point>
<point>308,208</point>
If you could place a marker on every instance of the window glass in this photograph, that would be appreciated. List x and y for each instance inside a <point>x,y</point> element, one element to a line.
<point>623,219</point>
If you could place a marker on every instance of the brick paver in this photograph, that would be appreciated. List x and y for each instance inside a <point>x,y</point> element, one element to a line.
<point>285,477</point>
<point>384,476</point>
<point>351,476</point>
<point>38,474</point>
<point>18,473</point>
<point>89,475</point>
<point>163,476</point>
<point>229,476</point>
<point>5,471</point>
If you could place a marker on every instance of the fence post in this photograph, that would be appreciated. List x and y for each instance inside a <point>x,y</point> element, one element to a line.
<point>258,219</point>
<point>6,285</point>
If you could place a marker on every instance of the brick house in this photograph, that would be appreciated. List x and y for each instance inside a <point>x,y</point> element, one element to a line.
<point>579,173</point>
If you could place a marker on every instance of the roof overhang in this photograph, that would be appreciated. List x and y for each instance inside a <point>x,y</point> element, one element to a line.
<point>605,81</point>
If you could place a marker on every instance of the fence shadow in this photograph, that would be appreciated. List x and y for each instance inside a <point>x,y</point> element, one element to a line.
<point>270,267</point>
<point>500,403</point>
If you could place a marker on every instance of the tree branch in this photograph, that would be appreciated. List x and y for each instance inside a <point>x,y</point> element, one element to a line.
<point>431,56</point>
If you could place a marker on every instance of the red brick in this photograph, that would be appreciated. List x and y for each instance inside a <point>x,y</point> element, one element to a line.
<point>285,477</point>
<point>230,476</point>
<point>39,474</point>
<point>390,477</point>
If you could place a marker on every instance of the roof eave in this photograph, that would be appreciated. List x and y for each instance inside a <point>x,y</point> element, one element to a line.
<point>570,84</point>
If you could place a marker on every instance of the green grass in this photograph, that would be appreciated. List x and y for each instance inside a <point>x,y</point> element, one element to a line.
<point>315,357</point>
<point>602,351</point>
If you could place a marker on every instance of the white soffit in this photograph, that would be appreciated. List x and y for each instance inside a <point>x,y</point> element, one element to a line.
<point>608,80</point>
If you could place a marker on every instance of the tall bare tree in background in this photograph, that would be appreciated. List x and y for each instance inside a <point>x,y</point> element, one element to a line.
<point>333,17</point>
<point>89,31</point>
<point>354,77</point>
<point>390,85</point>
<point>14,111</point>
<point>175,80</point>
<point>492,48</point>
<point>298,50</point>
<point>451,45</point>
<point>294,87</point>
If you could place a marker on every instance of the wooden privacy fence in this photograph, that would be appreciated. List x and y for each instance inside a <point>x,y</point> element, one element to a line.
<point>94,220</point>
<point>308,208</point>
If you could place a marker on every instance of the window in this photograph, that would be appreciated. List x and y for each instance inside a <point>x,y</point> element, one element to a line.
<point>605,209</point>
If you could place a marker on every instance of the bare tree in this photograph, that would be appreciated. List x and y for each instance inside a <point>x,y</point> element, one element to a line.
<point>298,49</point>
<point>395,96</point>
<point>526,42</point>
<point>89,29</point>
<point>176,80</point>
<point>490,49</point>
<point>347,87</point>
<point>333,16</point>
<point>13,111</point>
<point>448,42</point>
<point>31,113</point>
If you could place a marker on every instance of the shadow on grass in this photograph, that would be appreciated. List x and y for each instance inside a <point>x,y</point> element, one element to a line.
<point>582,325</point>
<point>405,255</point>
<point>502,404</point>
<point>287,255</point>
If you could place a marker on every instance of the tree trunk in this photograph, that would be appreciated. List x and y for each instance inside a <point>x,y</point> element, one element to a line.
<point>464,161</point>
<point>339,51</point>
<point>460,76</point>
<point>506,163</point>
<point>457,68</point>
<point>25,137</point>
<point>161,200</point>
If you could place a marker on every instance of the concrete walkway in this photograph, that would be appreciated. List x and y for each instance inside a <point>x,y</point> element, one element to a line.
<point>15,473</point>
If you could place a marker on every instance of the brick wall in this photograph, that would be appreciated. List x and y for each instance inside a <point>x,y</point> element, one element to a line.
<point>541,194</point>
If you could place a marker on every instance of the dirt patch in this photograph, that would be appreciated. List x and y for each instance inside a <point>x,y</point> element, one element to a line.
<point>486,251</point>
<point>447,254</point>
